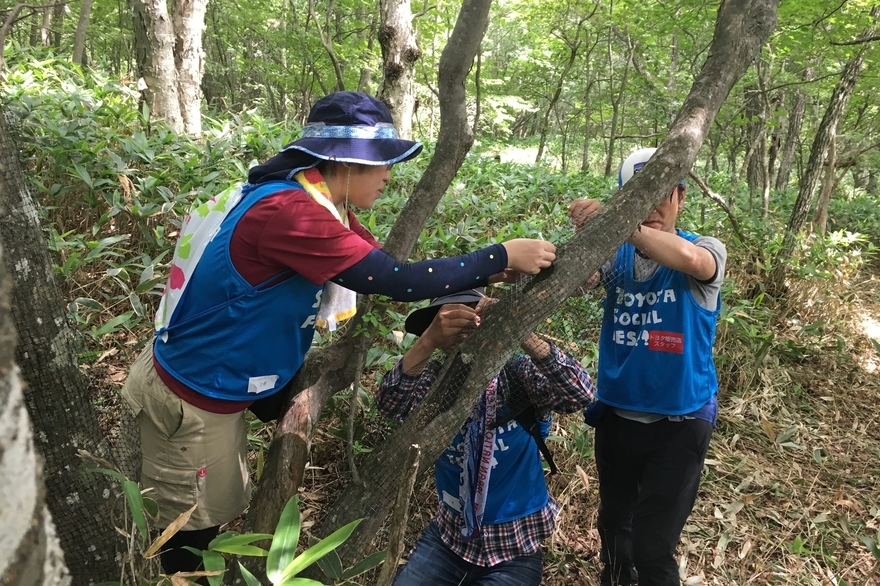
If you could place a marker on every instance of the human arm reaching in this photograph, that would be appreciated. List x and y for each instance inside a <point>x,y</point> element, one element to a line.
<point>380,273</point>
<point>405,385</point>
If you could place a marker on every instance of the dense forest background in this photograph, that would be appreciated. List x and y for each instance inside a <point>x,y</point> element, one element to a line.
<point>123,115</point>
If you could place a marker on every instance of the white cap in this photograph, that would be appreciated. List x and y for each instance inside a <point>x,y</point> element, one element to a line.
<point>633,163</point>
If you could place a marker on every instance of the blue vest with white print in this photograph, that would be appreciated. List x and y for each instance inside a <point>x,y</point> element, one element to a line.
<point>516,485</point>
<point>655,346</point>
<point>232,340</point>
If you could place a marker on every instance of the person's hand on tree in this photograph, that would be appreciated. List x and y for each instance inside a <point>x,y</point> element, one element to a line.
<point>450,324</point>
<point>529,256</point>
<point>581,211</point>
<point>507,276</point>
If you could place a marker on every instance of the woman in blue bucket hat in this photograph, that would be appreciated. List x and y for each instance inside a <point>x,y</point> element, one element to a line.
<point>255,270</point>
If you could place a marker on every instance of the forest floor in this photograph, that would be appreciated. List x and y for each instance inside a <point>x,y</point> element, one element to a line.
<point>791,481</point>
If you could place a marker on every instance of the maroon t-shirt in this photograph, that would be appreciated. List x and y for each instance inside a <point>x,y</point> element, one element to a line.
<point>286,230</point>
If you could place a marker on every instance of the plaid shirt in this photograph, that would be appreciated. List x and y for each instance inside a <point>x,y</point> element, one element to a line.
<point>555,383</point>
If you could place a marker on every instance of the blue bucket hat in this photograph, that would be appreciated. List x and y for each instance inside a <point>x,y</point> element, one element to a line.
<point>349,127</point>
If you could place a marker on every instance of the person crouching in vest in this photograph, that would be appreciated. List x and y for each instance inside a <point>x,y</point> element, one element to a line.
<point>656,386</point>
<point>494,509</point>
<point>255,270</point>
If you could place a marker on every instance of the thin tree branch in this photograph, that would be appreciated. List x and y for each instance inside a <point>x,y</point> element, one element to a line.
<point>721,203</point>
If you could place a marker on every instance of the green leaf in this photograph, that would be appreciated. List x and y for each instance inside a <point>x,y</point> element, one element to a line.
<point>136,506</point>
<point>284,542</point>
<point>113,324</point>
<point>214,562</point>
<point>83,174</point>
<point>109,472</point>
<point>249,578</point>
<point>331,565</point>
<point>151,507</point>
<point>872,547</point>
<point>89,303</point>
<point>233,538</point>
<point>136,304</point>
<point>145,286</point>
<point>368,563</point>
<point>319,550</point>
<point>300,582</point>
<point>251,550</point>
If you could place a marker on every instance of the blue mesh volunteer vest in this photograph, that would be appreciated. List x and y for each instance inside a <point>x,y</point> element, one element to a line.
<point>655,347</point>
<point>228,339</point>
<point>516,485</point>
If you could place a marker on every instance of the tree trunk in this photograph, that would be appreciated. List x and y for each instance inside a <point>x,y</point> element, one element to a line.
<point>400,52</point>
<point>30,554</point>
<point>616,100</point>
<point>327,43</point>
<point>478,91</point>
<point>366,73</point>
<point>573,47</point>
<point>871,189</point>
<point>585,155</point>
<point>79,40</point>
<point>154,46</point>
<point>741,29</point>
<point>820,217</point>
<point>56,395</point>
<point>58,18</point>
<point>755,131</point>
<point>795,119</point>
<point>189,61</point>
<point>860,176</point>
<point>47,24</point>
<point>810,178</point>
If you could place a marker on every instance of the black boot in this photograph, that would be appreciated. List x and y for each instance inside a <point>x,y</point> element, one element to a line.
<point>177,559</point>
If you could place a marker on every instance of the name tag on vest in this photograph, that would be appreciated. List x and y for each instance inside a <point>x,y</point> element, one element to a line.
<point>666,341</point>
<point>260,384</point>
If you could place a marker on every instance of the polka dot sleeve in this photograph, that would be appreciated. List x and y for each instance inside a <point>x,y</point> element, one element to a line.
<point>380,273</point>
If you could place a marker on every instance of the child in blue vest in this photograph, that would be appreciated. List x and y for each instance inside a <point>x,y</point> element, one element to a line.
<point>256,268</point>
<point>493,515</point>
<point>656,386</point>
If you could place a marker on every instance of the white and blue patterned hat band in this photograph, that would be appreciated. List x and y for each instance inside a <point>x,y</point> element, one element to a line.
<point>382,130</point>
<point>347,127</point>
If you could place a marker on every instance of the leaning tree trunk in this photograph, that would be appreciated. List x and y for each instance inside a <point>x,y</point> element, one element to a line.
<point>189,61</point>
<point>328,371</point>
<point>400,52</point>
<point>154,48</point>
<point>741,29</point>
<point>30,554</point>
<point>55,392</point>
<point>795,119</point>
<point>813,173</point>
<point>79,40</point>
<point>820,217</point>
